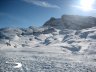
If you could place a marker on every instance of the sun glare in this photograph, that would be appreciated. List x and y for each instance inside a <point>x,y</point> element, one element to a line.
<point>87,5</point>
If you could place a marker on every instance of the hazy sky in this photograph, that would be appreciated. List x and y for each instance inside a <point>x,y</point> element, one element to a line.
<point>25,13</point>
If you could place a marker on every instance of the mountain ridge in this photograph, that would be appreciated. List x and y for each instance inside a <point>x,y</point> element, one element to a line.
<point>53,33</point>
<point>74,22</point>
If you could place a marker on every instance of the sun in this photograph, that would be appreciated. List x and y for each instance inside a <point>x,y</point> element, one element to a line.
<point>86,5</point>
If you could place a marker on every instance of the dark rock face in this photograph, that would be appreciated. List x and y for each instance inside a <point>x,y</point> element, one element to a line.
<point>49,30</point>
<point>74,22</point>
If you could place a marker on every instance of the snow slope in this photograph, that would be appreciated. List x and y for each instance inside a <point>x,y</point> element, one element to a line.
<point>54,33</point>
<point>71,37</point>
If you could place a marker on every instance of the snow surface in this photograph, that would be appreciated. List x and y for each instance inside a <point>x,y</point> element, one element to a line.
<point>48,49</point>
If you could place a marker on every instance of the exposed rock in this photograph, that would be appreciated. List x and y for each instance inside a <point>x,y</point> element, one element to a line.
<point>74,22</point>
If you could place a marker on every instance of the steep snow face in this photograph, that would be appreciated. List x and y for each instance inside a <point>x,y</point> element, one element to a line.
<point>74,22</point>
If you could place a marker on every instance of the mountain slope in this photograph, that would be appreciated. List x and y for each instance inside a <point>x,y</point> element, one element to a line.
<point>67,44</point>
<point>74,22</point>
<point>69,32</point>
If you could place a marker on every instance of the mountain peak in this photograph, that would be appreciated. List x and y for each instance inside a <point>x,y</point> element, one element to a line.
<point>74,22</point>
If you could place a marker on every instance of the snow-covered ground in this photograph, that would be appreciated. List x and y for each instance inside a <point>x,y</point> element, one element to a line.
<point>48,49</point>
<point>67,52</point>
<point>45,59</point>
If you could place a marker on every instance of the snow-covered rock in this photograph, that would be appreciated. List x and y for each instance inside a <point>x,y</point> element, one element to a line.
<point>74,22</point>
<point>70,32</point>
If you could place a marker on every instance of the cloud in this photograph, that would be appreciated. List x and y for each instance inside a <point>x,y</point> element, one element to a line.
<point>82,8</point>
<point>42,3</point>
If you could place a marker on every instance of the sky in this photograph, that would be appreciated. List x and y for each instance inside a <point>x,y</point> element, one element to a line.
<point>25,13</point>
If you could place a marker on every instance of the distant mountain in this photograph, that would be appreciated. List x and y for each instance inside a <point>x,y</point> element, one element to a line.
<point>74,22</point>
<point>70,32</point>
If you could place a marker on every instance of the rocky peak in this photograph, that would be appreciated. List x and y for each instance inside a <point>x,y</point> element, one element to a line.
<point>74,22</point>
